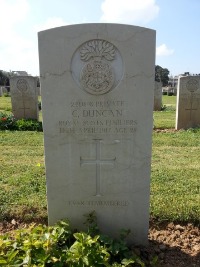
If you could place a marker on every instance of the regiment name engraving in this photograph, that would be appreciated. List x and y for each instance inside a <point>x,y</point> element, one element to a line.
<point>100,117</point>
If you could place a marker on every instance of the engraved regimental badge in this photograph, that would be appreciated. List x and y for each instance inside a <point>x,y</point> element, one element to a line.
<point>97,75</point>
<point>22,85</point>
<point>192,85</point>
<point>97,67</point>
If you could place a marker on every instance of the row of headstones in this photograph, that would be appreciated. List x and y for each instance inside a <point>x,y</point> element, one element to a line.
<point>188,101</point>
<point>98,123</point>
<point>24,97</point>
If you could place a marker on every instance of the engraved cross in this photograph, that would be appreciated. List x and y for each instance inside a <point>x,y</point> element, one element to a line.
<point>98,161</point>
<point>191,104</point>
<point>24,109</point>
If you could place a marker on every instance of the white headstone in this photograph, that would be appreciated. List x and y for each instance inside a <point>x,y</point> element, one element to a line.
<point>4,90</point>
<point>188,102</point>
<point>157,96</point>
<point>39,91</point>
<point>24,97</point>
<point>97,85</point>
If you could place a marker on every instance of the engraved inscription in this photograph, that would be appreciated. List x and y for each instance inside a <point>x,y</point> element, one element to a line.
<point>98,161</point>
<point>98,117</point>
<point>102,203</point>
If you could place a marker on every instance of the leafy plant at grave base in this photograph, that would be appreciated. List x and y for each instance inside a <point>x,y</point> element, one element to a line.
<point>7,122</point>
<point>164,107</point>
<point>6,95</point>
<point>168,108</point>
<point>29,125</point>
<point>117,248</point>
<point>59,246</point>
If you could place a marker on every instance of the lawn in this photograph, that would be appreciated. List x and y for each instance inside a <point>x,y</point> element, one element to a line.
<point>175,182</point>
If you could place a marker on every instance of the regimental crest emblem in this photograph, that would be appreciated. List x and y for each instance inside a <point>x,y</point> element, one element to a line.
<point>97,75</point>
<point>192,85</point>
<point>97,66</point>
<point>22,85</point>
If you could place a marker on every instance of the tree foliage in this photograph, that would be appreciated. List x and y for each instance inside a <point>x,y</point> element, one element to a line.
<point>161,75</point>
<point>4,78</point>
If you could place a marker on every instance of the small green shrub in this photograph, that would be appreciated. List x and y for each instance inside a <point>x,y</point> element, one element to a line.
<point>6,94</point>
<point>168,108</point>
<point>59,246</point>
<point>8,122</point>
<point>29,125</point>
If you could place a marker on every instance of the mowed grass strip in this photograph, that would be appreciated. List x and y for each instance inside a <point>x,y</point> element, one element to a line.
<point>175,176</point>
<point>22,176</point>
<point>5,104</point>
<point>166,118</point>
<point>169,100</point>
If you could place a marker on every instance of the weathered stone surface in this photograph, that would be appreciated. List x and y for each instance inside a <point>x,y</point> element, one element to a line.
<point>188,102</point>
<point>97,86</point>
<point>24,97</point>
<point>157,96</point>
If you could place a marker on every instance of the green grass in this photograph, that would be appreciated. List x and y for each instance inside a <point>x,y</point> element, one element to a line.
<point>175,182</point>
<point>5,104</point>
<point>165,119</point>
<point>22,176</point>
<point>169,100</point>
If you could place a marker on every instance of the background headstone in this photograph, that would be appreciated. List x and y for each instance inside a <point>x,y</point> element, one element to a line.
<point>157,96</point>
<point>97,85</point>
<point>38,91</point>
<point>188,102</point>
<point>4,90</point>
<point>24,97</point>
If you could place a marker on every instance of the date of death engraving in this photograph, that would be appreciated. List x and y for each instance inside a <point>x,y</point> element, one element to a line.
<point>98,117</point>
